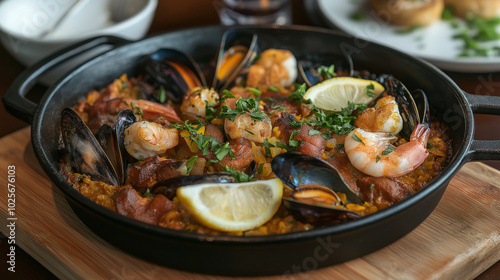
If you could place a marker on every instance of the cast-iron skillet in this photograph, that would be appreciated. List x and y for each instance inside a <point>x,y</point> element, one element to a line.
<point>260,255</point>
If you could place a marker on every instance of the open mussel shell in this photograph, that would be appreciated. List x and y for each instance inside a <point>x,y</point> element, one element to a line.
<point>296,169</point>
<point>172,71</point>
<point>169,187</point>
<point>236,53</point>
<point>318,213</point>
<point>308,67</point>
<point>85,154</point>
<point>422,105</point>
<point>407,107</point>
<point>124,119</point>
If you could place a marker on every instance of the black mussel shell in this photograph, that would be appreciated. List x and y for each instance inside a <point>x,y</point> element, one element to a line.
<point>169,187</point>
<point>86,155</point>
<point>407,106</point>
<point>296,169</point>
<point>422,104</point>
<point>309,65</point>
<point>124,119</point>
<point>233,40</point>
<point>318,214</point>
<point>171,71</point>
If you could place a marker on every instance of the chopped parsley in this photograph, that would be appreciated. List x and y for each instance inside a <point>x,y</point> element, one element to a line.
<point>147,193</point>
<point>267,148</point>
<point>162,95</point>
<point>260,168</point>
<point>273,89</point>
<point>369,90</point>
<point>190,164</point>
<point>388,150</point>
<point>356,138</point>
<point>298,93</point>
<point>255,91</point>
<point>314,132</point>
<point>136,109</point>
<point>238,176</point>
<point>327,72</point>
<point>243,106</point>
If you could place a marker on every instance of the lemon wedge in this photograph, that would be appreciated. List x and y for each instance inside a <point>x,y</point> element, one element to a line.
<point>232,206</point>
<point>334,94</point>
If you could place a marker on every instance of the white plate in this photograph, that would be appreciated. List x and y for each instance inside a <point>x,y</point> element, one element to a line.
<point>433,43</point>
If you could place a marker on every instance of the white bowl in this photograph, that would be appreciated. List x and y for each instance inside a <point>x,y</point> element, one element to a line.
<point>24,20</point>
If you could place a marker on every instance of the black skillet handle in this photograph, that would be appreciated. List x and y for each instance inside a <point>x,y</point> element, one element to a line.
<point>484,149</point>
<point>15,100</point>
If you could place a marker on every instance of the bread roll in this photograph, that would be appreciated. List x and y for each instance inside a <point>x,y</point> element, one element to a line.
<point>482,8</point>
<point>409,12</point>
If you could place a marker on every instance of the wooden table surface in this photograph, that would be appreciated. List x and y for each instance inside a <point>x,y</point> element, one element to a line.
<point>172,15</point>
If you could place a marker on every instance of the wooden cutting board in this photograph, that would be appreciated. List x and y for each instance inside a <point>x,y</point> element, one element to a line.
<point>459,240</point>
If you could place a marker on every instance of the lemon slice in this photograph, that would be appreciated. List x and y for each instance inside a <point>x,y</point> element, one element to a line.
<point>334,94</point>
<point>232,206</point>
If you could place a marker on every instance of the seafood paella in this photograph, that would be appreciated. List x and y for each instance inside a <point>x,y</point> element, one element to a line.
<point>273,145</point>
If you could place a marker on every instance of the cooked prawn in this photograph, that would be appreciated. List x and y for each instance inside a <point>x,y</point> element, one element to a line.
<point>371,154</point>
<point>149,110</point>
<point>244,126</point>
<point>277,68</point>
<point>194,101</point>
<point>146,139</point>
<point>384,117</point>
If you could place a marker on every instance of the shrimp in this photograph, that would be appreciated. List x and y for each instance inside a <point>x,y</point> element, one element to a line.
<point>146,139</point>
<point>384,117</point>
<point>194,101</point>
<point>244,126</point>
<point>150,110</point>
<point>277,68</point>
<point>371,154</point>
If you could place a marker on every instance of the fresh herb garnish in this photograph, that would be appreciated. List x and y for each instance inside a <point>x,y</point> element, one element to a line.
<point>356,138</point>
<point>136,109</point>
<point>314,132</point>
<point>408,29</point>
<point>255,91</point>
<point>371,186</point>
<point>377,159</point>
<point>278,107</point>
<point>243,105</point>
<point>162,95</point>
<point>388,150</point>
<point>238,176</point>
<point>273,89</point>
<point>298,93</point>
<point>190,164</point>
<point>147,193</point>
<point>357,16</point>
<point>210,111</point>
<point>327,72</point>
<point>369,90</point>
<point>260,168</point>
<point>339,146</point>
<point>267,148</point>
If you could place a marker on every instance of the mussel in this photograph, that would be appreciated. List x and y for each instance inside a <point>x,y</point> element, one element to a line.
<point>173,72</point>
<point>102,156</point>
<point>169,187</point>
<point>316,186</point>
<point>411,113</point>
<point>237,51</point>
<point>308,67</point>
